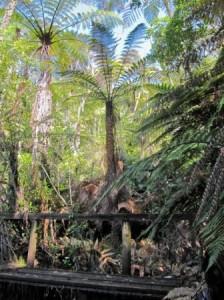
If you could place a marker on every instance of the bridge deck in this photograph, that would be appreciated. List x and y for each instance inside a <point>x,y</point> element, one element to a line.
<point>144,288</point>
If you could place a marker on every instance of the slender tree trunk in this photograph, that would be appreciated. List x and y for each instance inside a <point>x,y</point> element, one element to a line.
<point>13,182</point>
<point>13,188</point>
<point>14,191</point>
<point>9,10</point>
<point>110,143</point>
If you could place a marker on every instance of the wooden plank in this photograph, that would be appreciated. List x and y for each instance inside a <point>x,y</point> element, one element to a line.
<point>87,291</point>
<point>82,281</point>
<point>85,217</point>
<point>169,280</point>
<point>126,249</point>
<point>32,247</point>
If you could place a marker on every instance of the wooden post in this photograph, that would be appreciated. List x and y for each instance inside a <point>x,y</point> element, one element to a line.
<point>32,245</point>
<point>126,248</point>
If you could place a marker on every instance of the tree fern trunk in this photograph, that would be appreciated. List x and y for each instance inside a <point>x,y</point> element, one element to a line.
<point>110,143</point>
<point>9,10</point>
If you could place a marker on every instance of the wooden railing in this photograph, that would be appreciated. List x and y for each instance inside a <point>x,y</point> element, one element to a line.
<point>126,219</point>
<point>86,217</point>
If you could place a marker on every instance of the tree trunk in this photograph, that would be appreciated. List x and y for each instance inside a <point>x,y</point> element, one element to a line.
<point>14,192</point>
<point>13,188</point>
<point>41,117</point>
<point>41,125</point>
<point>110,143</point>
<point>9,10</point>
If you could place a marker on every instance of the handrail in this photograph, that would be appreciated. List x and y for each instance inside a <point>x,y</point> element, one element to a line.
<point>75,216</point>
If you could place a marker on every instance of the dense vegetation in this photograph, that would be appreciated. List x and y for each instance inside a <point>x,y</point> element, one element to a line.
<point>106,102</point>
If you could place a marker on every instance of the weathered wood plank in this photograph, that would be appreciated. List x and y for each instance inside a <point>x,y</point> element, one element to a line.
<point>170,281</point>
<point>85,217</point>
<point>145,287</point>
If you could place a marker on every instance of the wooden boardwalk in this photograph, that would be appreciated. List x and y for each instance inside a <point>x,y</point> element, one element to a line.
<point>144,288</point>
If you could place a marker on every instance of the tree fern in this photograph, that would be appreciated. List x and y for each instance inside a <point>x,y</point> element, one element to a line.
<point>212,236</point>
<point>107,71</point>
<point>148,9</point>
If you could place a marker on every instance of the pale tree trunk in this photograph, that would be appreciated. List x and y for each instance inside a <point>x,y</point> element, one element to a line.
<point>77,142</point>
<point>41,117</point>
<point>41,125</point>
<point>9,10</point>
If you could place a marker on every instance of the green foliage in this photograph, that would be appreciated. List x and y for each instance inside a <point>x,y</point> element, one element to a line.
<point>186,118</point>
<point>213,237</point>
<point>167,107</point>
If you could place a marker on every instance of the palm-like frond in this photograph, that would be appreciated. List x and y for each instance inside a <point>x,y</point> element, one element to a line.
<point>86,19</point>
<point>128,70</point>
<point>134,10</point>
<point>101,36</point>
<point>178,104</point>
<point>103,46</point>
<point>213,237</point>
<point>87,81</point>
<point>148,9</point>
<point>188,120</point>
<point>133,71</point>
<point>116,72</point>
<point>133,41</point>
<point>67,49</point>
<point>49,18</point>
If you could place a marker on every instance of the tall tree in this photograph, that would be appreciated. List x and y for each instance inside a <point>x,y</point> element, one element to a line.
<point>48,22</point>
<point>113,76</point>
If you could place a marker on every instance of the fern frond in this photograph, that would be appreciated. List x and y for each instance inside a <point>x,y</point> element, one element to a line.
<point>133,41</point>
<point>148,9</point>
<point>103,46</point>
<point>212,236</point>
<point>202,213</point>
<point>88,81</point>
<point>132,73</point>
